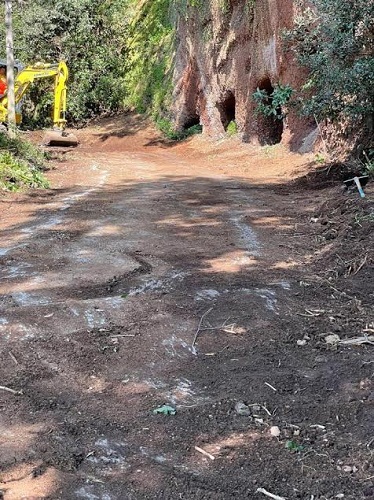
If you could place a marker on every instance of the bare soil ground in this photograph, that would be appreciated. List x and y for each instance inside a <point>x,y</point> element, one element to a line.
<point>216,278</point>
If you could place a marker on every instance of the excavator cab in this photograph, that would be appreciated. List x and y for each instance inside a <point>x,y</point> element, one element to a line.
<point>24,77</point>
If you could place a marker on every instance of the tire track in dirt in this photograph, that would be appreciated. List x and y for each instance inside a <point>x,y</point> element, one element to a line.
<point>100,311</point>
<point>68,306</point>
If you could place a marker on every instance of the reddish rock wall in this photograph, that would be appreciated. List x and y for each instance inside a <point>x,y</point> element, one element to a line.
<point>225,50</point>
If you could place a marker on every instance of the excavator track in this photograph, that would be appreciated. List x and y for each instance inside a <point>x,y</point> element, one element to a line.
<point>57,138</point>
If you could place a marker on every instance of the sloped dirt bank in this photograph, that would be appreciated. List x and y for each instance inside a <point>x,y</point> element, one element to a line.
<point>197,275</point>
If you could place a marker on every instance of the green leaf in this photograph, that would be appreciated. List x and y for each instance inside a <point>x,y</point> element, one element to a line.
<point>165,410</point>
<point>293,446</point>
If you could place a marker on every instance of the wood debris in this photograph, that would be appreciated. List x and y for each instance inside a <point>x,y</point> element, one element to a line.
<point>270,495</point>
<point>205,453</point>
<point>8,389</point>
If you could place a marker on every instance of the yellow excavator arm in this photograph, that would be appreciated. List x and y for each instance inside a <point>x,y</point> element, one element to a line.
<point>59,72</point>
<point>25,77</point>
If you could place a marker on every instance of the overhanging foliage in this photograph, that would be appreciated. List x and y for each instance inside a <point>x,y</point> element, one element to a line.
<point>335,41</point>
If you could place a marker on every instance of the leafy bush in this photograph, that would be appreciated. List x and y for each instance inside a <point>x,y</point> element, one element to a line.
<point>21,164</point>
<point>334,40</point>
<point>119,54</point>
<point>150,47</point>
<point>273,104</point>
<point>167,128</point>
<point>90,37</point>
<point>232,128</point>
<point>368,162</point>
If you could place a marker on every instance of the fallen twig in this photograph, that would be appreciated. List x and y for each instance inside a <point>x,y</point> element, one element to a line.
<point>366,339</point>
<point>8,389</point>
<point>203,452</point>
<point>123,335</point>
<point>326,151</point>
<point>268,494</point>
<point>266,410</point>
<point>13,357</point>
<point>232,329</point>
<point>199,327</point>
<point>314,312</point>
<point>222,327</point>
<point>370,443</point>
<point>260,406</point>
<point>345,294</point>
<point>361,265</point>
<point>271,387</point>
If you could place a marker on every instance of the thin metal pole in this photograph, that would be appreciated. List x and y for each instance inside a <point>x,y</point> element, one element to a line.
<point>10,68</point>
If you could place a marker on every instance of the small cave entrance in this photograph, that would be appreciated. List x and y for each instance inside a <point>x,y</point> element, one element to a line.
<point>190,121</point>
<point>269,128</point>
<point>226,108</point>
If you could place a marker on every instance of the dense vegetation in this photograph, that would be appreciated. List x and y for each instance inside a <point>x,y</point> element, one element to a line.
<point>119,53</point>
<point>335,41</point>
<point>21,164</point>
<point>149,57</point>
<point>89,36</point>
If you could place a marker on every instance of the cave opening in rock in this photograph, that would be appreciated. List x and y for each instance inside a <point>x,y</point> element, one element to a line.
<point>191,121</point>
<point>270,128</point>
<point>227,109</point>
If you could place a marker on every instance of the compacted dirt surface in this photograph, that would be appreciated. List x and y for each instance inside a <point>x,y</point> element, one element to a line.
<point>232,284</point>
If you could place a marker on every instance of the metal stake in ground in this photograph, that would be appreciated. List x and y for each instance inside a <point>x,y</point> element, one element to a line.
<point>357,180</point>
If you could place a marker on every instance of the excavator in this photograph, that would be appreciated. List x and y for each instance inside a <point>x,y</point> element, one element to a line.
<point>25,76</point>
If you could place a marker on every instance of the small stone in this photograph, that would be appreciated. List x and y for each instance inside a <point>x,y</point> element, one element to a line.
<point>347,468</point>
<point>242,409</point>
<point>365,384</point>
<point>301,342</point>
<point>332,339</point>
<point>275,431</point>
<point>340,495</point>
<point>320,359</point>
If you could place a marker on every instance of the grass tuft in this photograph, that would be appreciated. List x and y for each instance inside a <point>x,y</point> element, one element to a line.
<point>21,164</point>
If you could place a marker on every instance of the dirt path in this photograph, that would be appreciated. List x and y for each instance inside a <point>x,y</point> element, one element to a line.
<point>187,276</point>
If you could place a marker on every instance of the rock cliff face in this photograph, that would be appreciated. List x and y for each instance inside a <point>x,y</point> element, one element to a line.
<point>225,50</point>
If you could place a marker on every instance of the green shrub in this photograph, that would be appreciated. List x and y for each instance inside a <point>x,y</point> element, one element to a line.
<point>150,48</point>
<point>334,40</point>
<point>21,164</point>
<point>90,37</point>
<point>167,128</point>
<point>273,105</point>
<point>232,128</point>
<point>369,162</point>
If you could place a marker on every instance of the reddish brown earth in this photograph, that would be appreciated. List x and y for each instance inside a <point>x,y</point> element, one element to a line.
<point>141,247</point>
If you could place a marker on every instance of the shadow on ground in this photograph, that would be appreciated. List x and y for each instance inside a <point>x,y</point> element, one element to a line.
<point>220,268</point>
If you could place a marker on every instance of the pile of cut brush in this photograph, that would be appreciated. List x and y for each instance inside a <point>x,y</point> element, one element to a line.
<point>346,226</point>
